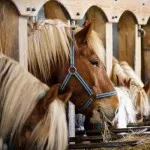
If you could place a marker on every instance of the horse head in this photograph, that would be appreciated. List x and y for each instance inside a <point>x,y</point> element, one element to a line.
<point>89,68</point>
<point>92,91</point>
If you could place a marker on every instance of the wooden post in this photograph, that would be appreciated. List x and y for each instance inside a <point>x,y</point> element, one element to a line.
<point>137,64</point>
<point>109,47</point>
<point>71,119</point>
<point>23,42</point>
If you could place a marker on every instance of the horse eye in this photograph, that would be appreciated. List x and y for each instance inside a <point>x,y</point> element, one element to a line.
<point>94,62</point>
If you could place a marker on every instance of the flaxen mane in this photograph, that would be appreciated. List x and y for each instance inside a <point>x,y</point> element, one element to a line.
<point>124,72</point>
<point>19,94</point>
<point>141,101</point>
<point>48,42</point>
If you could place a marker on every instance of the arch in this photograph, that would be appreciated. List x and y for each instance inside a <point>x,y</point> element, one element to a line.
<point>98,18</point>
<point>130,13</point>
<point>9,26</point>
<point>126,37</point>
<point>55,10</point>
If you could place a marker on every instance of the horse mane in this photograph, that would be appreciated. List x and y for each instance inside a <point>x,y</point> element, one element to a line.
<point>141,101</point>
<point>118,71</point>
<point>126,108</point>
<point>131,73</point>
<point>124,72</point>
<point>19,94</point>
<point>48,42</point>
<point>18,91</point>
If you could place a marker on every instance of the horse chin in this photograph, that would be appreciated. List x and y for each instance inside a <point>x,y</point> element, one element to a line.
<point>96,117</point>
<point>100,117</point>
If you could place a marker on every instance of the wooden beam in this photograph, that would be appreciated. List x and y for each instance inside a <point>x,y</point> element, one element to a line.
<point>23,42</point>
<point>103,144</point>
<point>109,47</point>
<point>137,64</point>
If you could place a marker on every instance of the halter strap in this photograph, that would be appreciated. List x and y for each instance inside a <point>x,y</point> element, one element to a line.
<point>72,71</point>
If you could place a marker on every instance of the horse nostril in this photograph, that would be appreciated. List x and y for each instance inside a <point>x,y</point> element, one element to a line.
<point>98,110</point>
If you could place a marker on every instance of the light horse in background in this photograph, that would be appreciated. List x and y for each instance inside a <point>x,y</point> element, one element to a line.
<point>49,54</point>
<point>129,83</point>
<point>32,114</point>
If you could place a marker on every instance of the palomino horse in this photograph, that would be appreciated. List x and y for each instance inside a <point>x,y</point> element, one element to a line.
<point>49,52</point>
<point>32,115</point>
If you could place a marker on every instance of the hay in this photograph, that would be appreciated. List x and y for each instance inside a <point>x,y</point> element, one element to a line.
<point>143,143</point>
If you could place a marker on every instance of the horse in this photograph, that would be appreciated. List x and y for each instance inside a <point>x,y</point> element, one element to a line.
<point>32,114</point>
<point>49,61</point>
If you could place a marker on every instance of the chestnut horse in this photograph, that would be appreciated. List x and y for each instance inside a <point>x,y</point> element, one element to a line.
<point>32,115</point>
<point>49,53</point>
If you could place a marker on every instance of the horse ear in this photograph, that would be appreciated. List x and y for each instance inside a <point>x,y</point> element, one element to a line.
<point>65,96</point>
<point>147,87</point>
<point>119,82</point>
<point>81,36</point>
<point>127,83</point>
<point>53,93</point>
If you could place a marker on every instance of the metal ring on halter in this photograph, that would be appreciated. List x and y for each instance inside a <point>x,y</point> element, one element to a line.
<point>72,70</point>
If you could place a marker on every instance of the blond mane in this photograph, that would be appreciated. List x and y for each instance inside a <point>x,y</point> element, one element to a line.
<point>48,42</point>
<point>131,73</point>
<point>19,94</point>
<point>141,101</point>
<point>124,72</point>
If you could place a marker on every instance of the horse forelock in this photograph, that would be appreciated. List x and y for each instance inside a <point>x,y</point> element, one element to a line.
<point>141,100</point>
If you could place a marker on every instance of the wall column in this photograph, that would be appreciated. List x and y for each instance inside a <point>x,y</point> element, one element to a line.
<point>109,47</point>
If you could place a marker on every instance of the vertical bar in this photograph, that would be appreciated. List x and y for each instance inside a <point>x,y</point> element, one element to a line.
<point>23,42</point>
<point>115,40</point>
<point>71,119</point>
<point>137,64</point>
<point>109,47</point>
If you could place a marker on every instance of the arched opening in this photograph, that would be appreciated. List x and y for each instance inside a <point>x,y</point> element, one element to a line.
<point>126,38</point>
<point>146,53</point>
<point>9,22</point>
<point>98,19</point>
<point>54,10</point>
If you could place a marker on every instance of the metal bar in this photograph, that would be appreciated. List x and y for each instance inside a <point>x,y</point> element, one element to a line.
<point>103,144</point>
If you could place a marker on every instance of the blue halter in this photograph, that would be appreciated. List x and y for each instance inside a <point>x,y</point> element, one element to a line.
<point>72,71</point>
